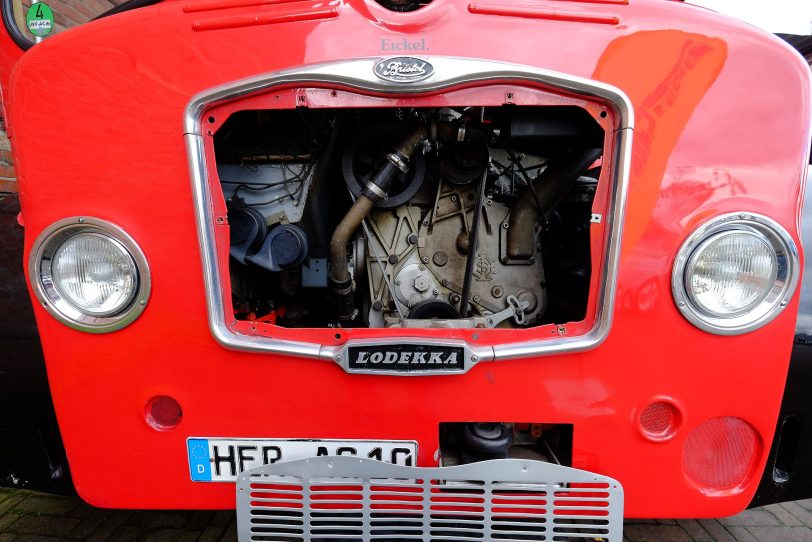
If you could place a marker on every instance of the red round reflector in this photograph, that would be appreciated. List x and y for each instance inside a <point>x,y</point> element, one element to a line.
<point>163,413</point>
<point>659,421</point>
<point>720,453</point>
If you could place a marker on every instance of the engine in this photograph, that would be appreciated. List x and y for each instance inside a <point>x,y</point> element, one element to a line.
<point>472,217</point>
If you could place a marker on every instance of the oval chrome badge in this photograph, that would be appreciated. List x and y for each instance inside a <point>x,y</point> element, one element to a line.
<point>403,69</point>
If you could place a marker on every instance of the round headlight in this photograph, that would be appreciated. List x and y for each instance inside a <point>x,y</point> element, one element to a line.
<point>94,273</point>
<point>735,273</point>
<point>90,274</point>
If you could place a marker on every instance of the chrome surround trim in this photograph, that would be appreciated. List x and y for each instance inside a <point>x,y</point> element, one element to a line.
<point>767,309</point>
<point>46,245</point>
<point>358,75</point>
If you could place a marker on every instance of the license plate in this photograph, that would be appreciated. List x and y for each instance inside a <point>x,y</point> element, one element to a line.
<point>223,459</point>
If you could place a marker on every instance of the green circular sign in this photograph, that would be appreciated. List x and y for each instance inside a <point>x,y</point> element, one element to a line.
<point>39,19</point>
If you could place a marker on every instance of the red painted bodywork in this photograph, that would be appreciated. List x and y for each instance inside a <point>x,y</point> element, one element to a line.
<point>722,124</point>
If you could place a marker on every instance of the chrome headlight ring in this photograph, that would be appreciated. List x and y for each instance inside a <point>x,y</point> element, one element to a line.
<point>785,280</point>
<point>47,293</point>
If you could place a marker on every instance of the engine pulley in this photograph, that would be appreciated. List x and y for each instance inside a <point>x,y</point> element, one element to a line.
<point>466,159</point>
<point>368,150</point>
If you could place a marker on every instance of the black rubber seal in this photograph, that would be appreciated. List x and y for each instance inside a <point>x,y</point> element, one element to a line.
<point>14,32</point>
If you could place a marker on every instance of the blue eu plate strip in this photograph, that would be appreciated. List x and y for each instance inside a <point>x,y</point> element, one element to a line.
<point>199,460</point>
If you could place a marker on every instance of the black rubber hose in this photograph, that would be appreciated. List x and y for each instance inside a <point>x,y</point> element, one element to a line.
<point>472,242</point>
<point>378,185</point>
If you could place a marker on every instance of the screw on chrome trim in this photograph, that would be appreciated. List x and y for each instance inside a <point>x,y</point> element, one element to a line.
<point>505,225</point>
<point>338,357</point>
<point>142,302</point>
<point>424,259</point>
<point>784,303</point>
<point>474,358</point>
<point>81,220</point>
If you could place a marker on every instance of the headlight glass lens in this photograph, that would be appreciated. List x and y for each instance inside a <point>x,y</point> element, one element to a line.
<point>735,273</point>
<point>731,273</point>
<point>94,273</point>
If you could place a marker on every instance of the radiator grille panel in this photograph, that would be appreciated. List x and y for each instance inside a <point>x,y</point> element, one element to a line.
<point>358,500</point>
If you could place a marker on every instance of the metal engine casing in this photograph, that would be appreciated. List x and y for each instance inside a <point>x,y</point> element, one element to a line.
<point>443,244</point>
<point>433,268</point>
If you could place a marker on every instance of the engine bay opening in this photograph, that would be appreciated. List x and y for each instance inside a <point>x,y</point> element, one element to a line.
<point>469,442</point>
<point>455,217</point>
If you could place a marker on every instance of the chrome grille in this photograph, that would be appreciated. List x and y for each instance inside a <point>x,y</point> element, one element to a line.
<point>358,500</point>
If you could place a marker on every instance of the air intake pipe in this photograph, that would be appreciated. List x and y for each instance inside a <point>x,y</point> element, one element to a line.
<point>551,186</point>
<point>375,190</point>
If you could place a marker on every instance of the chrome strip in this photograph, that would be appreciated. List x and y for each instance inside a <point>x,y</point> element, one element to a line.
<point>606,296</point>
<point>359,75</point>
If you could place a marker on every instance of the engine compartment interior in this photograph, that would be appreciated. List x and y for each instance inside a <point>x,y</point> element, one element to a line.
<point>459,217</point>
